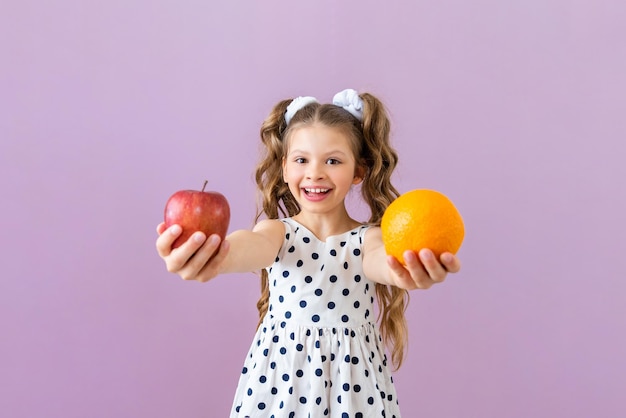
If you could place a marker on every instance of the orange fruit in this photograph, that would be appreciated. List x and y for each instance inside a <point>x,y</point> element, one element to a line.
<point>422,219</point>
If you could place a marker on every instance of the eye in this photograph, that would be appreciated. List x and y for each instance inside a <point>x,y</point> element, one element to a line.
<point>299,160</point>
<point>333,161</point>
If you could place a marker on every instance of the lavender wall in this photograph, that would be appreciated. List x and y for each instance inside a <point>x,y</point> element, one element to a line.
<point>515,109</point>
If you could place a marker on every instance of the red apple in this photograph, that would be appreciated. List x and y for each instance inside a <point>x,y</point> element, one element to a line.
<point>194,210</point>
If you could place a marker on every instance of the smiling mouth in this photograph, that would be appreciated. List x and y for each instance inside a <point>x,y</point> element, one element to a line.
<point>315,191</point>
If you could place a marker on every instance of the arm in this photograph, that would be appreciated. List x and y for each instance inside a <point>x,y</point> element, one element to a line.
<point>201,258</point>
<point>420,271</point>
<point>254,250</point>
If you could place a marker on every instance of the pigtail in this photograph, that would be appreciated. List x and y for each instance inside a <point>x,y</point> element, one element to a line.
<point>377,190</point>
<point>380,158</point>
<point>275,195</point>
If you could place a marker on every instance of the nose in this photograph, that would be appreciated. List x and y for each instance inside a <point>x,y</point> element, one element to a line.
<point>315,171</point>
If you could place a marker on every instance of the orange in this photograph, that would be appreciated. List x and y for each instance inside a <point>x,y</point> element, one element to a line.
<point>422,219</point>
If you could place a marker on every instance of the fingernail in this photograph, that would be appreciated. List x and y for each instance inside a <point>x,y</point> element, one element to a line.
<point>175,230</point>
<point>409,256</point>
<point>426,255</point>
<point>214,239</point>
<point>198,237</point>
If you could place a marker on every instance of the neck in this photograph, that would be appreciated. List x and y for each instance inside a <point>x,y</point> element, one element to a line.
<point>325,225</point>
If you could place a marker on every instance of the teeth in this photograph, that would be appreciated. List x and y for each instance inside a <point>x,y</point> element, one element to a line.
<point>316,190</point>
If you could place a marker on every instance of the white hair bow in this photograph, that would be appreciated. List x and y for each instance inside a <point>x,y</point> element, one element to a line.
<point>297,104</point>
<point>349,99</point>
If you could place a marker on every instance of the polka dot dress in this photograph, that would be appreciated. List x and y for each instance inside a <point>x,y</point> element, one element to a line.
<point>318,352</point>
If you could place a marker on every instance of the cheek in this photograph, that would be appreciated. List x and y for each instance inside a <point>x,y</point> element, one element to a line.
<point>290,172</point>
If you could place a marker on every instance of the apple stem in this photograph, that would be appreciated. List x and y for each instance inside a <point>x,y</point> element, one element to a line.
<point>204,185</point>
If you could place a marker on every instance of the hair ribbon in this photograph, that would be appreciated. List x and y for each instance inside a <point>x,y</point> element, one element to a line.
<point>347,99</point>
<point>297,104</point>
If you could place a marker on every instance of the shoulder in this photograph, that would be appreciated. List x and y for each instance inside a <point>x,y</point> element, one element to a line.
<point>271,229</point>
<point>373,238</point>
<point>270,225</point>
<point>371,232</point>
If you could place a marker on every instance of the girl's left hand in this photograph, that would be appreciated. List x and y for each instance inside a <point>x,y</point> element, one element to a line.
<point>422,270</point>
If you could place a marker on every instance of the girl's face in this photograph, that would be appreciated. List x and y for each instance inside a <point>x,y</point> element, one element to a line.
<point>320,168</point>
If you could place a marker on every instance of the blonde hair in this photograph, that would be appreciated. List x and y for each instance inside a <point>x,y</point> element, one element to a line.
<point>374,155</point>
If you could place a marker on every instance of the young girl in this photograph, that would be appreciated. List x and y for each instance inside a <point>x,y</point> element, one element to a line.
<point>318,350</point>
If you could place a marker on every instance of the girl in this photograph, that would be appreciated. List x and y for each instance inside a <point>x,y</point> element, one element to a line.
<point>318,350</point>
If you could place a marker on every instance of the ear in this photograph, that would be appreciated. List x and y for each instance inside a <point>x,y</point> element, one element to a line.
<point>359,173</point>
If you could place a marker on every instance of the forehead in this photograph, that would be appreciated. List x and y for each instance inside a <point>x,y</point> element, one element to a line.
<point>320,138</point>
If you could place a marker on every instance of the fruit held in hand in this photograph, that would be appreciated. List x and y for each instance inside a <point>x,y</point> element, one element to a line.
<point>422,219</point>
<point>195,210</point>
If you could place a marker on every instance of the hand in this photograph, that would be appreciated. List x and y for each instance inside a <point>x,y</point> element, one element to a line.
<point>422,270</point>
<point>198,258</point>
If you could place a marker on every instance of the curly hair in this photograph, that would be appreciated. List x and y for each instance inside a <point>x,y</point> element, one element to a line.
<point>370,143</point>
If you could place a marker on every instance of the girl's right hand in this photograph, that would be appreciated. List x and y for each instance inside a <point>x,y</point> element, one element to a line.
<point>198,258</point>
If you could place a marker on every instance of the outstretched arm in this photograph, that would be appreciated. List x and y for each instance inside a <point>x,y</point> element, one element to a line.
<point>201,258</point>
<point>420,271</point>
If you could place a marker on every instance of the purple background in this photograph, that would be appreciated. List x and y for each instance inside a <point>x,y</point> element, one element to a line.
<point>513,109</point>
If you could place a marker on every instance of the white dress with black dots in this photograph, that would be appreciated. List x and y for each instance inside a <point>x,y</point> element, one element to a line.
<point>318,352</point>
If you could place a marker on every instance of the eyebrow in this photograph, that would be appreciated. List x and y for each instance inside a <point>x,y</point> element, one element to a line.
<point>333,152</point>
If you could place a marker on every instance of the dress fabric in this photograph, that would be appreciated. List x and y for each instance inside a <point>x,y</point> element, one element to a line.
<point>318,351</point>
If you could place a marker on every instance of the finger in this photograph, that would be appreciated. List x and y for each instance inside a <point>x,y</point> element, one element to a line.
<point>399,274</point>
<point>160,228</point>
<point>212,268</point>
<point>450,262</point>
<point>417,270</point>
<point>181,259</point>
<point>433,267</point>
<point>199,266</point>
<point>165,240</point>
